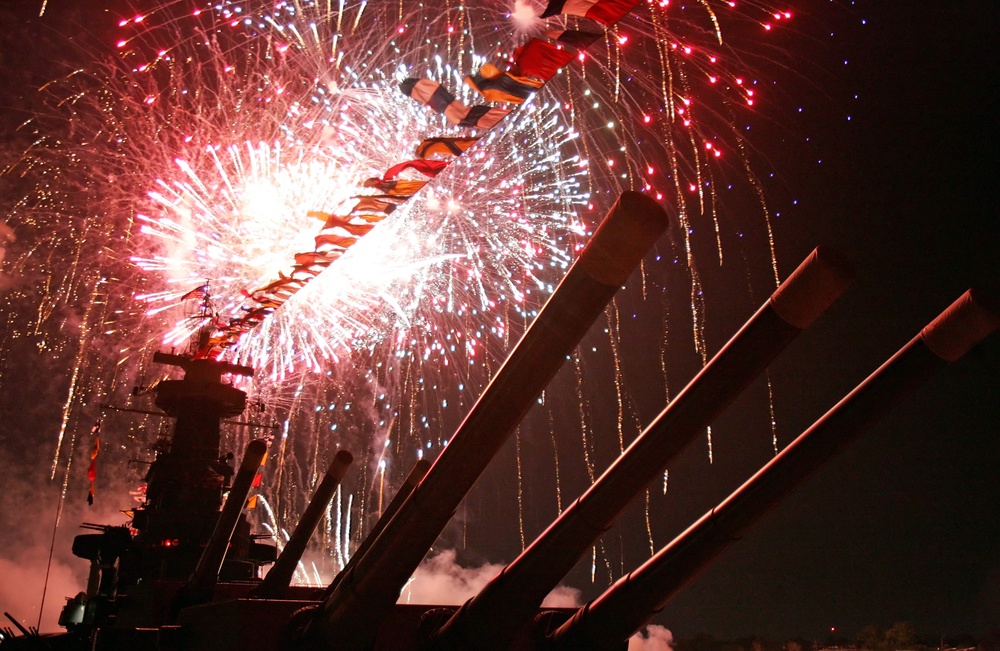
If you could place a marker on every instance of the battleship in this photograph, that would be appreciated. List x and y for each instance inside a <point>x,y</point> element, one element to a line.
<point>188,573</point>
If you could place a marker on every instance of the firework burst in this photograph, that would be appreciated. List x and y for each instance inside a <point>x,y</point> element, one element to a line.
<point>198,152</point>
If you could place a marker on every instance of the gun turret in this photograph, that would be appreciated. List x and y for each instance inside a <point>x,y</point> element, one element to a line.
<point>349,618</point>
<point>512,598</point>
<point>637,597</point>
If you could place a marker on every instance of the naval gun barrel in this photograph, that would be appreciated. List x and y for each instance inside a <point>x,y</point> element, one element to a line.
<point>348,619</point>
<point>202,582</point>
<point>416,474</point>
<point>279,577</point>
<point>511,599</point>
<point>637,597</point>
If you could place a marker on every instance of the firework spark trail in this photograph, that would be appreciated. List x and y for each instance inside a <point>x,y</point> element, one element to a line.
<point>213,133</point>
<point>72,392</point>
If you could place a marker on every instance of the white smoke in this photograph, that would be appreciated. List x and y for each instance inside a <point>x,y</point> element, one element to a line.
<point>22,584</point>
<point>563,597</point>
<point>441,580</point>
<point>28,502</point>
<point>656,638</point>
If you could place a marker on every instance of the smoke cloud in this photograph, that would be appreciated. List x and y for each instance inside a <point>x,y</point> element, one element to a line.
<point>656,638</point>
<point>28,503</point>
<point>23,580</point>
<point>441,580</point>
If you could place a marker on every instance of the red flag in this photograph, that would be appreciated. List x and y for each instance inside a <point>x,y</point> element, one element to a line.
<point>316,258</point>
<point>539,59</point>
<point>336,221</point>
<point>371,219</point>
<point>335,240</point>
<point>259,477</point>
<point>269,301</point>
<point>282,281</point>
<point>425,167</point>
<point>405,188</point>
<point>366,204</point>
<point>94,451</point>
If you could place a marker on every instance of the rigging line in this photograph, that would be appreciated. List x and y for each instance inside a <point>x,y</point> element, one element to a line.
<point>52,543</point>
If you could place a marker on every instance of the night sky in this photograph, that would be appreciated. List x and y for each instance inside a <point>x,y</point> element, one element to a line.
<point>891,160</point>
<point>902,526</point>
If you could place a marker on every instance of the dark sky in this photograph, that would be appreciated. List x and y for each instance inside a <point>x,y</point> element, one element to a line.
<point>903,526</point>
<point>901,178</point>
